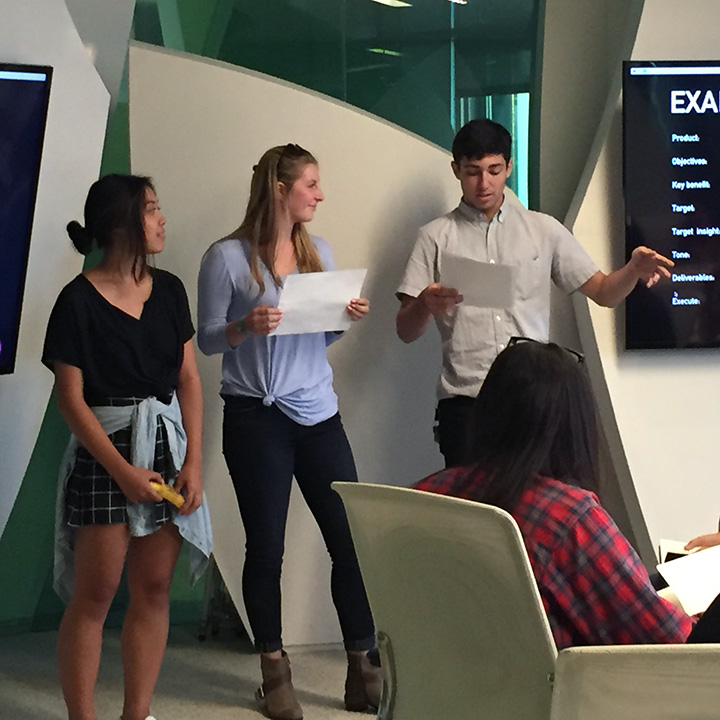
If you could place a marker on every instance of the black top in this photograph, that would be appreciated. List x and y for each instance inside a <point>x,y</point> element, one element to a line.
<point>119,355</point>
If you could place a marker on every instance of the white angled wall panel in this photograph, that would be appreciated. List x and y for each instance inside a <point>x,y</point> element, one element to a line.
<point>42,32</point>
<point>104,27</point>
<point>198,126</point>
<point>666,403</point>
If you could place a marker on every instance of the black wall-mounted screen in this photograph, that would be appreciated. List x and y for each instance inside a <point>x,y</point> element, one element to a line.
<point>671,164</point>
<point>24,95</point>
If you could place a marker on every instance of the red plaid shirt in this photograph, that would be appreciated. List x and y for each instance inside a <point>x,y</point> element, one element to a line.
<point>594,588</point>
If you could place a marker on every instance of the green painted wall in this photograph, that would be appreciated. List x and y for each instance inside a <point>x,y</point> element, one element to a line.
<point>27,600</point>
<point>26,544</point>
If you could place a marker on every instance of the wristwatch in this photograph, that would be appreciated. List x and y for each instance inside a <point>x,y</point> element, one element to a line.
<point>240,327</point>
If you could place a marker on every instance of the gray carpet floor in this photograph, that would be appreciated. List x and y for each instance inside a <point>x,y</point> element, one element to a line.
<point>211,680</point>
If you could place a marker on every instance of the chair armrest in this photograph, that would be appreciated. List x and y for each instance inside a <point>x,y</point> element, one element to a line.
<point>637,682</point>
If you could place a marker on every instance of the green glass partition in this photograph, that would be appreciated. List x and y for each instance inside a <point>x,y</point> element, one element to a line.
<point>426,65</point>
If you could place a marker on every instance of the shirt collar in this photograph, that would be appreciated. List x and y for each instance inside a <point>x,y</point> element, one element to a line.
<point>475,215</point>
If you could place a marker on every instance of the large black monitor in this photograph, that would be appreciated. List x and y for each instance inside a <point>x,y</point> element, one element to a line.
<point>671,163</point>
<point>24,95</point>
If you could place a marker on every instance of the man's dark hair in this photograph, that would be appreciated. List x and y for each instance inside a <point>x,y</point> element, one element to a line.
<point>534,416</point>
<point>481,137</point>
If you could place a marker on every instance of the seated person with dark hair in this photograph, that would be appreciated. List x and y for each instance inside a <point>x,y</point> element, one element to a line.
<point>535,450</point>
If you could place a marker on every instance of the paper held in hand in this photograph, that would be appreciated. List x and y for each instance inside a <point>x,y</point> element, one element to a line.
<point>694,577</point>
<point>316,302</point>
<point>481,284</point>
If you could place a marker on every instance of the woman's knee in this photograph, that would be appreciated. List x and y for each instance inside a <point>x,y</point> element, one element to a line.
<point>99,558</point>
<point>150,585</point>
<point>93,599</point>
<point>151,564</point>
<point>264,562</point>
<point>265,538</point>
<point>153,590</point>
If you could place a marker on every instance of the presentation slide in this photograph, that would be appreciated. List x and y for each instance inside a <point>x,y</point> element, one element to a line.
<point>671,156</point>
<point>24,93</point>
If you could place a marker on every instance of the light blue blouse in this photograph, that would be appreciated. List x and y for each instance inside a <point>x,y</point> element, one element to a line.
<point>291,371</point>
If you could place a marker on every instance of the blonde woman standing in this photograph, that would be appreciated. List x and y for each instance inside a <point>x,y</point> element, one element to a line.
<point>281,416</point>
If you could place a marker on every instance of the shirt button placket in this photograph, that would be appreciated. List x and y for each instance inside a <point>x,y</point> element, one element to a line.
<point>492,254</point>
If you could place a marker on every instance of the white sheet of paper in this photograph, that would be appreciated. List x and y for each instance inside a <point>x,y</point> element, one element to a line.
<point>481,284</point>
<point>674,547</point>
<point>316,302</point>
<point>695,578</point>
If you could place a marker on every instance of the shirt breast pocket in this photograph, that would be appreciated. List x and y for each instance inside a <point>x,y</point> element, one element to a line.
<point>528,275</point>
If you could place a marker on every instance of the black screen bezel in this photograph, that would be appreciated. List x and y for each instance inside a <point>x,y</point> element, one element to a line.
<point>7,363</point>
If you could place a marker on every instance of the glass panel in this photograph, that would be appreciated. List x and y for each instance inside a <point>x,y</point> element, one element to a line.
<point>426,65</point>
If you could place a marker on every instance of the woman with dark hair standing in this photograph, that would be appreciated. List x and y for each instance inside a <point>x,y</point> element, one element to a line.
<point>119,342</point>
<point>281,416</point>
<point>535,448</point>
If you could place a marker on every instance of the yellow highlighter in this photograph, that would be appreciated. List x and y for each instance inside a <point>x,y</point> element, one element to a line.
<point>167,493</point>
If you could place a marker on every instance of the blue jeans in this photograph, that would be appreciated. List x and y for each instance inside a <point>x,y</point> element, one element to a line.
<point>263,449</point>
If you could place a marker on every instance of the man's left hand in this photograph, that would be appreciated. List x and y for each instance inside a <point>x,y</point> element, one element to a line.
<point>649,265</point>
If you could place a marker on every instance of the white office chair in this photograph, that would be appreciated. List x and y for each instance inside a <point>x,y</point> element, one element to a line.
<point>462,630</point>
<point>463,633</point>
<point>638,682</point>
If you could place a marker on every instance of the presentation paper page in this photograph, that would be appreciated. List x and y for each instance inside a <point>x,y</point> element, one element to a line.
<point>695,578</point>
<point>481,284</point>
<point>316,302</point>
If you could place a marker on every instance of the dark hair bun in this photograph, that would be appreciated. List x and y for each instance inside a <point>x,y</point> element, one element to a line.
<point>81,238</point>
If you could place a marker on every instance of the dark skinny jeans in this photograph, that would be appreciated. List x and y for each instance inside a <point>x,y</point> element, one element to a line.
<point>263,449</point>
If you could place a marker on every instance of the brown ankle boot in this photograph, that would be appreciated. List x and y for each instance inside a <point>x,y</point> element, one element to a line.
<point>277,692</point>
<point>363,684</point>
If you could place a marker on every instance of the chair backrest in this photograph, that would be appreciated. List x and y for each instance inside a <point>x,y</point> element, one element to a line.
<point>451,587</point>
<point>636,682</point>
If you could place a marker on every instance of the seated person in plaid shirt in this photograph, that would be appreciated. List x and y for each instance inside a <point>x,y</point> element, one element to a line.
<point>535,449</point>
